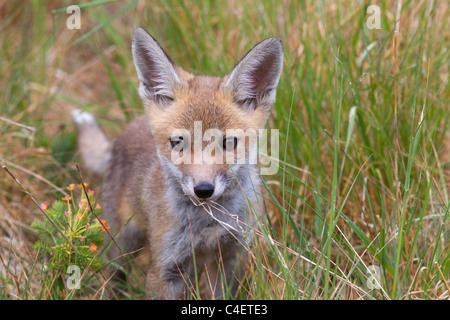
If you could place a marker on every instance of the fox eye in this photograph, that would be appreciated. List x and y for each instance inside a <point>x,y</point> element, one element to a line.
<point>230,143</point>
<point>177,143</point>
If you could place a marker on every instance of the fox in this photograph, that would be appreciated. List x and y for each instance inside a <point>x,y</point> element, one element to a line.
<point>193,216</point>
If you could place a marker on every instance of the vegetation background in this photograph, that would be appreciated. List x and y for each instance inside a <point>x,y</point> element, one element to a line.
<point>360,206</point>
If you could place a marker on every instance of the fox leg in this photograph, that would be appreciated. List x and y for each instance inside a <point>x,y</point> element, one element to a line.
<point>222,274</point>
<point>169,284</point>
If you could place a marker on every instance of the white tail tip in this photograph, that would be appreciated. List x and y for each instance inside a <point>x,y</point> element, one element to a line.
<point>82,117</point>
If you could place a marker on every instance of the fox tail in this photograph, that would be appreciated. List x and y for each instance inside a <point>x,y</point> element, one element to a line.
<point>95,148</point>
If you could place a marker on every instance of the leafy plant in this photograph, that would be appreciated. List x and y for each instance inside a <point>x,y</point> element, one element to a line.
<point>72,233</point>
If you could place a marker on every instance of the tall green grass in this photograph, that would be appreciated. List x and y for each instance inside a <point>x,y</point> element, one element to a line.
<point>362,191</point>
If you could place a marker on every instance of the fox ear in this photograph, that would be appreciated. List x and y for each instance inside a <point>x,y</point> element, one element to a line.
<point>155,69</point>
<point>254,80</point>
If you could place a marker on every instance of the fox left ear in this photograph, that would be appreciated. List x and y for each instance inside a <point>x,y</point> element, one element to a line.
<point>254,80</point>
<point>156,70</point>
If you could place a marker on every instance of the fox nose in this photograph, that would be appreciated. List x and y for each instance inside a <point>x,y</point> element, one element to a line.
<point>204,190</point>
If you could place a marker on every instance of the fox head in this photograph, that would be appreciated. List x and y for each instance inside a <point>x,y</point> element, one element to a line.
<point>201,123</point>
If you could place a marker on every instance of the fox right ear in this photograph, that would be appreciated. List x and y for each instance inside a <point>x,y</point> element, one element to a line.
<point>155,69</point>
<point>253,82</point>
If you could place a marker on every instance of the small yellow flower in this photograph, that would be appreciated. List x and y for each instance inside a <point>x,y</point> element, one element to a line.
<point>71,187</point>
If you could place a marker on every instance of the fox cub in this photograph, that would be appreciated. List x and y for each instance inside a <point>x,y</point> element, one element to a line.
<point>192,200</point>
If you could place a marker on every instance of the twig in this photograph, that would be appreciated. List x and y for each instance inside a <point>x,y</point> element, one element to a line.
<point>37,176</point>
<point>93,212</point>
<point>40,208</point>
<point>18,124</point>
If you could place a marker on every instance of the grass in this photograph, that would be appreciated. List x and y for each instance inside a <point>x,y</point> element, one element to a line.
<point>360,206</point>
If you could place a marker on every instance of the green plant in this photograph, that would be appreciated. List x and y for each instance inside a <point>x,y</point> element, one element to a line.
<point>71,233</point>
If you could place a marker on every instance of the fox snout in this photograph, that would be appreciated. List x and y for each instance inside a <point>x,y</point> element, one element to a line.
<point>204,187</point>
<point>204,190</point>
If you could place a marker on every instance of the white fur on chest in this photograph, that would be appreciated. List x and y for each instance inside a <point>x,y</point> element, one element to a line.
<point>211,236</point>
